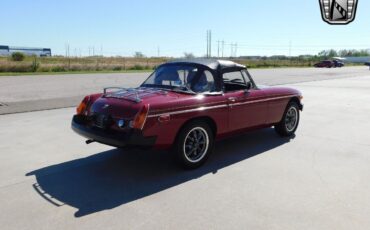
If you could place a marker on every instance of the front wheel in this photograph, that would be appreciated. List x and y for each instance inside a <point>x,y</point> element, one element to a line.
<point>289,123</point>
<point>194,144</point>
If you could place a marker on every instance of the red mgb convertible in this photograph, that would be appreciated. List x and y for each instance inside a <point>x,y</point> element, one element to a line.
<point>186,105</point>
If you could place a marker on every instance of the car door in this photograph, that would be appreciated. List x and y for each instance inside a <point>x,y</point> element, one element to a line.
<point>246,107</point>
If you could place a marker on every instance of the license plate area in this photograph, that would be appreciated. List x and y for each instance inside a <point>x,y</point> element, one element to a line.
<point>102,121</point>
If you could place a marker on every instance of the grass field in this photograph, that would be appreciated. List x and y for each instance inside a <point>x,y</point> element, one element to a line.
<point>90,64</point>
<point>51,65</point>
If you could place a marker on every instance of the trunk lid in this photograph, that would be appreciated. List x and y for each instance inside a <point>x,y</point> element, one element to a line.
<point>127,103</point>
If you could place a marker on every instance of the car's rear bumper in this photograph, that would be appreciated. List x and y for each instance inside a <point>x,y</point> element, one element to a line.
<point>111,137</point>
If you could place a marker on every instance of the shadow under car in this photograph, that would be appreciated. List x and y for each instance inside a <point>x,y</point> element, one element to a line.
<point>109,179</point>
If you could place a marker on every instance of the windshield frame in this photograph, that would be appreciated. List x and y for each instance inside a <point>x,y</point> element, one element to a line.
<point>177,88</point>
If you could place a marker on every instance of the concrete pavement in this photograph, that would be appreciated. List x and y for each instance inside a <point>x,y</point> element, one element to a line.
<point>318,180</point>
<point>35,93</point>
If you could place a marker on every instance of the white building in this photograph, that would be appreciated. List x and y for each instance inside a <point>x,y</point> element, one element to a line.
<point>40,52</point>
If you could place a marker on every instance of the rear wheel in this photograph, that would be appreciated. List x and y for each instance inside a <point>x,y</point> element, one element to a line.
<point>289,123</point>
<point>194,144</point>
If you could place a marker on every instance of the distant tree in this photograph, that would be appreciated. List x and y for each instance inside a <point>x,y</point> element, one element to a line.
<point>279,57</point>
<point>332,53</point>
<point>328,53</point>
<point>322,53</point>
<point>361,53</point>
<point>189,55</point>
<point>139,55</point>
<point>18,56</point>
<point>344,53</point>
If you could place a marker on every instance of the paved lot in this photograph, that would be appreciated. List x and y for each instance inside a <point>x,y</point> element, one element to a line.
<point>33,93</point>
<point>318,180</point>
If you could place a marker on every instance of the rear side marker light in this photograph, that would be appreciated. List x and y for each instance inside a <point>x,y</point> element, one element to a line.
<point>164,118</point>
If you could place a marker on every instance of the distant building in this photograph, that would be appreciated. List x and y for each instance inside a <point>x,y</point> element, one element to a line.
<point>353,59</point>
<point>40,52</point>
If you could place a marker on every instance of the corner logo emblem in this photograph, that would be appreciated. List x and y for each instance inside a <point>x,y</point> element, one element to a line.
<point>338,12</point>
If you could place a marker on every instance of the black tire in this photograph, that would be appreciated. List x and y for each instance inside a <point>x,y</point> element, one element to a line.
<point>285,127</point>
<point>186,150</point>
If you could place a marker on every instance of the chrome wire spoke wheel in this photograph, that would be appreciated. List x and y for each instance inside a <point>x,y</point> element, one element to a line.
<point>196,144</point>
<point>291,119</point>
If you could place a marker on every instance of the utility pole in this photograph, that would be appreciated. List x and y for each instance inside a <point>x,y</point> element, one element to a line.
<point>210,43</point>
<point>231,50</point>
<point>158,51</point>
<point>223,46</point>
<point>290,48</point>
<point>218,48</point>
<point>207,53</point>
<point>67,56</point>
<point>236,49</point>
<point>67,50</point>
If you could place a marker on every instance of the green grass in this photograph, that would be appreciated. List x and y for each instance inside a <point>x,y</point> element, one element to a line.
<point>73,72</point>
<point>90,65</point>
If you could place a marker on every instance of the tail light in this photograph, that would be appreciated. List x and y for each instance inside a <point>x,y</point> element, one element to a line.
<point>83,105</point>
<point>140,118</point>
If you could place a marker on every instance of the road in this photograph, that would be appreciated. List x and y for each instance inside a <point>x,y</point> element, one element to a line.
<point>318,180</point>
<point>33,93</point>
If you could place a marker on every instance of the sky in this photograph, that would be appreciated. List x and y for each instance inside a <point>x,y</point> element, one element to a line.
<point>172,27</point>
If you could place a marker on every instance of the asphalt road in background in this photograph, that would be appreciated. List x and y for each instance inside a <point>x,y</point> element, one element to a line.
<point>317,180</point>
<point>33,93</point>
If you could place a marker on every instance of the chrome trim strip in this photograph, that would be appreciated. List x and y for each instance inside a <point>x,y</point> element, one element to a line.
<point>220,106</point>
<point>262,100</point>
<point>189,110</point>
<point>164,111</point>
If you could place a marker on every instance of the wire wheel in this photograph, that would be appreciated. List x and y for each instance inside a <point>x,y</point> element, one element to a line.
<point>196,144</point>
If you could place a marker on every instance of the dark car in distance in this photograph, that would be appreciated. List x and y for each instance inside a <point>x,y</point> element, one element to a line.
<point>187,105</point>
<point>367,64</point>
<point>338,63</point>
<point>329,64</point>
<point>324,64</point>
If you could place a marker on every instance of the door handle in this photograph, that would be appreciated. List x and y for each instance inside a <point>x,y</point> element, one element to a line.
<point>232,99</point>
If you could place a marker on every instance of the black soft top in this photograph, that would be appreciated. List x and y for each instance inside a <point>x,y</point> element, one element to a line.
<point>216,65</point>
